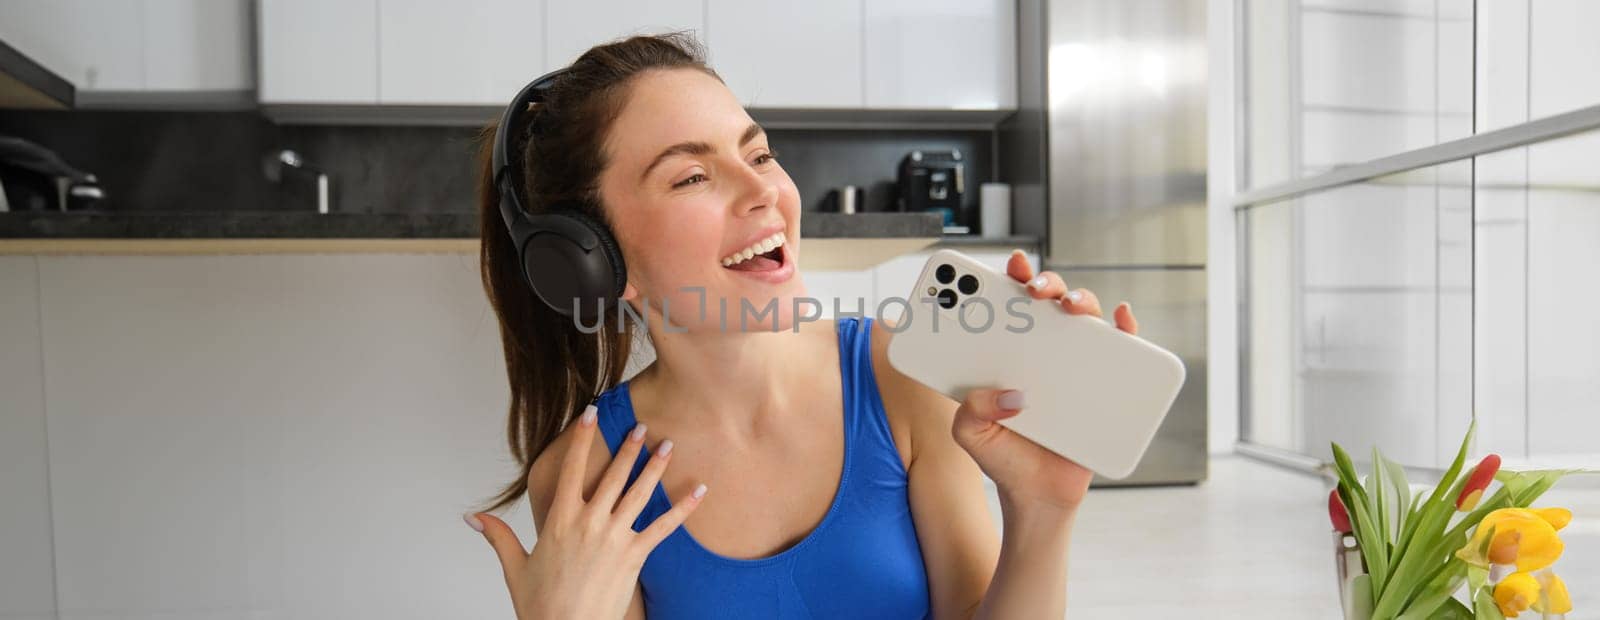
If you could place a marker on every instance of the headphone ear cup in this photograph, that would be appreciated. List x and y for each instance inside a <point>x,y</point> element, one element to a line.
<point>559,270</point>
<point>608,246</point>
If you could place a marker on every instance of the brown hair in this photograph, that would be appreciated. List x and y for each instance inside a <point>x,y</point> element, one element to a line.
<point>554,369</point>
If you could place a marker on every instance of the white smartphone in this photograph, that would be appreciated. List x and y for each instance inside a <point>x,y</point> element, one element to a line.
<point>1095,394</point>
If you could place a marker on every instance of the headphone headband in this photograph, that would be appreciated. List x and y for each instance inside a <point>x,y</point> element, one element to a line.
<point>564,253</point>
<point>508,177</point>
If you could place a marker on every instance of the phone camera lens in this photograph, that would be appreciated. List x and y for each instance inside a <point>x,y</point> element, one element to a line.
<point>945,273</point>
<point>947,298</point>
<point>968,285</point>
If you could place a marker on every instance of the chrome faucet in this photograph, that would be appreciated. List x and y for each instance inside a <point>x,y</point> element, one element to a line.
<point>291,159</point>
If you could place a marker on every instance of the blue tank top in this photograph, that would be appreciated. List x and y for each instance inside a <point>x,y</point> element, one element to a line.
<point>861,561</point>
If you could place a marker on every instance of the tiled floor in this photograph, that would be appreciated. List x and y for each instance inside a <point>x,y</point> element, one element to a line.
<point>1251,542</point>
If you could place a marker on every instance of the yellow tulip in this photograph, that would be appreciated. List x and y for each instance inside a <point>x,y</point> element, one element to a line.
<point>1555,599</point>
<point>1526,536</point>
<point>1557,517</point>
<point>1516,593</point>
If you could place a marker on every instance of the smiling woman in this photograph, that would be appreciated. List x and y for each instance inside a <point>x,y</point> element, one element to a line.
<point>843,488</point>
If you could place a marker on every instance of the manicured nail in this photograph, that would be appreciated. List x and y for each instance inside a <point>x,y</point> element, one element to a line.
<point>637,434</point>
<point>699,491</point>
<point>473,522</point>
<point>1037,283</point>
<point>590,414</point>
<point>1075,296</point>
<point>1010,399</point>
<point>665,448</point>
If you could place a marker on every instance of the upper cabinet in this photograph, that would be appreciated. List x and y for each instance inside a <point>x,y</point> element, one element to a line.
<point>773,54</point>
<point>941,54</point>
<point>319,51</point>
<point>136,49</point>
<point>197,45</point>
<point>785,54</point>
<point>574,27</point>
<point>458,53</point>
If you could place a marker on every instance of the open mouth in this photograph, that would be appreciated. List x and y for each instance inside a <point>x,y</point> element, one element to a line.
<point>764,255</point>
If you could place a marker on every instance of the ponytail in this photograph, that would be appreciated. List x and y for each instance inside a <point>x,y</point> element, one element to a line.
<point>554,370</point>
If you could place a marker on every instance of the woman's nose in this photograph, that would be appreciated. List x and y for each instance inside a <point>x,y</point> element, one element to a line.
<point>757,191</point>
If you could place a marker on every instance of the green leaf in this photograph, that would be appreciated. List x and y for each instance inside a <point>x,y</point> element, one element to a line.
<point>1376,483</point>
<point>1454,610</point>
<point>1412,556</point>
<point>1484,607</point>
<point>1373,550</point>
<point>1439,589</point>
<point>1402,496</point>
<point>1476,577</point>
<point>1359,606</point>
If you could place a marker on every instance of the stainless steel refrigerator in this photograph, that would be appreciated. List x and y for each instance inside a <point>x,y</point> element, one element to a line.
<point>1111,135</point>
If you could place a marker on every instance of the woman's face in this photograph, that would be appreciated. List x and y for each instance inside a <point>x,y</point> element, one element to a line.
<point>690,181</point>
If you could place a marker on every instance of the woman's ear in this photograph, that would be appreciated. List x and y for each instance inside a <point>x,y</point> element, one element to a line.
<point>629,293</point>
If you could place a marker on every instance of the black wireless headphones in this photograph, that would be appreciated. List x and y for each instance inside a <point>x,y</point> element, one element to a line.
<point>566,255</point>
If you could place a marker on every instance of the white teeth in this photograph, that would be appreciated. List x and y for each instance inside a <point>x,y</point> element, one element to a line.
<point>760,247</point>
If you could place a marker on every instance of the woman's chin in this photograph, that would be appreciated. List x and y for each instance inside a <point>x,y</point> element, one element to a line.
<point>751,306</point>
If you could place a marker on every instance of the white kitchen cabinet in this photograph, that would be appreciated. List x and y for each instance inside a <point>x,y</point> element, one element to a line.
<point>198,45</point>
<point>96,45</point>
<point>941,54</point>
<point>319,51</point>
<point>278,436</point>
<point>145,46</point>
<point>781,54</point>
<point>574,27</point>
<point>475,52</point>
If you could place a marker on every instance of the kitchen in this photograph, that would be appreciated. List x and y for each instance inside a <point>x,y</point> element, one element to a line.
<point>249,369</point>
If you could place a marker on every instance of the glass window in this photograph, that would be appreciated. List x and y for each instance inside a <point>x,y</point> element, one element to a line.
<point>1389,312</point>
<point>1329,83</point>
<point>1358,304</point>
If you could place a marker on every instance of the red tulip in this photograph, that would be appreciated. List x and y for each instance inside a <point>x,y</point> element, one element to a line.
<point>1337,513</point>
<point>1481,476</point>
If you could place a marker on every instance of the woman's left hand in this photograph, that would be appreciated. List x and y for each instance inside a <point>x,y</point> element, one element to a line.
<point>1024,471</point>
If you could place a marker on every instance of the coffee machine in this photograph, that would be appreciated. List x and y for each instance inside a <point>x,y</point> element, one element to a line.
<point>933,181</point>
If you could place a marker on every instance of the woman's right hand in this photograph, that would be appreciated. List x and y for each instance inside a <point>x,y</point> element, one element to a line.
<point>586,560</point>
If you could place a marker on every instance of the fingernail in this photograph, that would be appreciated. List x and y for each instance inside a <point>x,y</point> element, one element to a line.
<point>699,491</point>
<point>1075,296</point>
<point>1010,399</point>
<point>637,434</point>
<point>1036,283</point>
<point>590,414</point>
<point>473,522</point>
<point>665,448</point>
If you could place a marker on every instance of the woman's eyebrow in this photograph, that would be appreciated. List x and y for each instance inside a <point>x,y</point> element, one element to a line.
<point>697,148</point>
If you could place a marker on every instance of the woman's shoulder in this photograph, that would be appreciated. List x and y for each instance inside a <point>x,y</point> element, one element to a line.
<point>916,413</point>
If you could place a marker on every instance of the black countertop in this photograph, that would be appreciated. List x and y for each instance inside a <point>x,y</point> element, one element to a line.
<point>309,225</point>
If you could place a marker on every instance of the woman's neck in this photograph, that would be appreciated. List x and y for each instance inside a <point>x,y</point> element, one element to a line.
<point>731,383</point>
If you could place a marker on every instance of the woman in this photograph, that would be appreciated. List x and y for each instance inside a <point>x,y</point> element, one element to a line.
<point>890,522</point>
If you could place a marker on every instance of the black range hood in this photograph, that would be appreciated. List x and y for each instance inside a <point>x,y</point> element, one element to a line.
<point>26,84</point>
